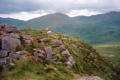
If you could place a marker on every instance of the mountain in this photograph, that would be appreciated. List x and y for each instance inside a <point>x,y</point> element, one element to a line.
<point>45,55</point>
<point>102,28</point>
<point>11,21</point>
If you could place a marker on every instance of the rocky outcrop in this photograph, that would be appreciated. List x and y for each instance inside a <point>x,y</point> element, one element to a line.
<point>27,39</point>
<point>8,28</point>
<point>9,42</point>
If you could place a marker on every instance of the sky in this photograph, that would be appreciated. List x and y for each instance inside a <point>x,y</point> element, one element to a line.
<point>28,9</point>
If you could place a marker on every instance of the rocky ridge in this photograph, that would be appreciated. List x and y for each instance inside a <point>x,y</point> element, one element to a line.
<point>55,48</point>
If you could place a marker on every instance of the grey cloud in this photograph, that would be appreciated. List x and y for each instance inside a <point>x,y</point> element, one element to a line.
<point>12,6</point>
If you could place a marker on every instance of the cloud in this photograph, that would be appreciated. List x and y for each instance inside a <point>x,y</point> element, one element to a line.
<point>13,6</point>
<point>83,12</point>
<point>26,15</point>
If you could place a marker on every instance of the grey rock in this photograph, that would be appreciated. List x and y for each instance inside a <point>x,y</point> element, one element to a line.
<point>4,61</point>
<point>9,43</point>
<point>70,62</point>
<point>48,52</point>
<point>3,53</point>
<point>26,37</point>
<point>41,37</point>
<point>8,28</point>
<point>61,47</point>
<point>21,52</point>
<point>66,52</point>
<point>89,78</point>
<point>28,42</point>
<point>55,41</point>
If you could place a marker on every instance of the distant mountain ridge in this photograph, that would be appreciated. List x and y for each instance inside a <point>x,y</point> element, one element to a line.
<point>11,21</point>
<point>101,28</point>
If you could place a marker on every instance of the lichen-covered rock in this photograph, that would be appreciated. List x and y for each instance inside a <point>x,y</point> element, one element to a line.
<point>55,41</point>
<point>3,53</point>
<point>8,42</point>
<point>4,61</point>
<point>48,52</point>
<point>26,38</point>
<point>66,52</point>
<point>8,28</point>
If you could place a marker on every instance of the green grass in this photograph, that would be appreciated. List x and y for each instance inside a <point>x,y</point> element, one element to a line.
<point>110,51</point>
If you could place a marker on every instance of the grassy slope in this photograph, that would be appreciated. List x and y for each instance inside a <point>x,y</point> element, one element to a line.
<point>110,51</point>
<point>88,62</point>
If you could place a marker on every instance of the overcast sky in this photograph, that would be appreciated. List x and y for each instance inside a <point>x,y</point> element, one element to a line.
<point>28,9</point>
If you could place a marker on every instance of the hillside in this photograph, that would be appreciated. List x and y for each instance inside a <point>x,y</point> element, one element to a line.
<point>45,55</point>
<point>102,28</point>
<point>11,21</point>
<point>110,51</point>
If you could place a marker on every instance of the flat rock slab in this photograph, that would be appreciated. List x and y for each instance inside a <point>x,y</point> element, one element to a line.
<point>89,78</point>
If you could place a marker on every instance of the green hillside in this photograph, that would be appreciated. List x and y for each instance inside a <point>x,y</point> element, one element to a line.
<point>11,21</point>
<point>110,51</point>
<point>103,28</point>
<point>46,55</point>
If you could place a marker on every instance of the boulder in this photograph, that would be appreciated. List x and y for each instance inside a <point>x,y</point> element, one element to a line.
<point>3,53</point>
<point>48,52</point>
<point>55,41</point>
<point>8,28</point>
<point>8,42</point>
<point>70,62</point>
<point>62,47</point>
<point>23,52</point>
<point>4,61</point>
<point>66,52</point>
<point>27,39</point>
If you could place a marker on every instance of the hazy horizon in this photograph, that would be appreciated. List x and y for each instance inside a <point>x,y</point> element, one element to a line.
<point>28,9</point>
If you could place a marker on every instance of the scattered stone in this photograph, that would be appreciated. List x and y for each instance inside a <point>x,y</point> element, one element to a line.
<point>66,52</point>
<point>49,32</point>
<point>89,78</point>
<point>61,47</point>
<point>27,39</point>
<point>55,41</point>
<point>48,52</point>
<point>4,61</point>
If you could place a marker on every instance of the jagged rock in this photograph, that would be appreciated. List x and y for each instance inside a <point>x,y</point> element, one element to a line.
<point>62,47</point>
<point>48,52</point>
<point>66,52</point>
<point>12,35</point>
<point>3,53</point>
<point>8,42</point>
<point>41,37</point>
<point>13,58</point>
<point>89,78</point>
<point>55,41</point>
<point>73,45</point>
<point>8,28</point>
<point>70,62</point>
<point>4,61</point>
<point>39,54</point>
<point>23,52</point>
<point>27,39</point>
<point>49,32</point>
